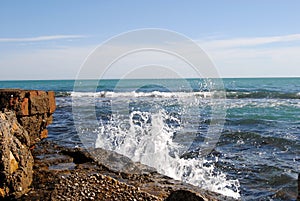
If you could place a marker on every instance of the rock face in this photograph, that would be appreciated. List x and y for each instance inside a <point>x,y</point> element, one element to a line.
<point>33,109</point>
<point>16,161</point>
<point>23,120</point>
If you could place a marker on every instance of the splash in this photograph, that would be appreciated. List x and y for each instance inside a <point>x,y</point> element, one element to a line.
<point>148,137</point>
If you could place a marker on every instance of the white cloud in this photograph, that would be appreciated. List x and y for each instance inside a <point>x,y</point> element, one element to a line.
<point>233,58</point>
<point>63,63</point>
<point>41,38</point>
<point>252,57</point>
<point>248,42</point>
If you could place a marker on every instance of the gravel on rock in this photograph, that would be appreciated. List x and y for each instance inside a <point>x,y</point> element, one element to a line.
<point>97,187</point>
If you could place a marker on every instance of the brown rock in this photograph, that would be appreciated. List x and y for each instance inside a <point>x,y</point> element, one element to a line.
<point>16,129</point>
<point>2,193</point>
<point>44,133</point>
<point>25,107</point>
<point>39,102</point>
<point>49,120</point>
<point>52,103</point>
<point>13,164</point>
<point>34,126</point>
<point>16,161</point>
<point>33,109</point>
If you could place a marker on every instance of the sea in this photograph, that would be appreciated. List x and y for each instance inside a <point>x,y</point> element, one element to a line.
<point>240,139</point>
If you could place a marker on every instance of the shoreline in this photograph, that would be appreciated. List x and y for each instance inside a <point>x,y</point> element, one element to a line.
<point>35,169</point>
<point>67,163</point>
<point>111,176</point>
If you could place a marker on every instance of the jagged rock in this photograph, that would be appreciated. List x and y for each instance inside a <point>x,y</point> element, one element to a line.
<point>183,195</point>
<point>22,124</point>
<point>33,109</point>
<point>63,173</point>
<point>16,160</point>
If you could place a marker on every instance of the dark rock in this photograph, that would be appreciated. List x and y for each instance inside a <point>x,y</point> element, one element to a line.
<point>95,174</point>
<point>16,160</point>
<point>183,195</point>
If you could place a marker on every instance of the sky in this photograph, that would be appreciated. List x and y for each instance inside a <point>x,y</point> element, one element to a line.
<point>53,39</point>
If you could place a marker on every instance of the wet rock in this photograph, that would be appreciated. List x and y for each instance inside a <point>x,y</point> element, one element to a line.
<point>16,160</point>
<point>93,174</point>
<point>33,109</point>
<point>97,187</point>
<point>183,195</point>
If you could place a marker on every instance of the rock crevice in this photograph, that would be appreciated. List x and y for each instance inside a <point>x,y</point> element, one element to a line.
<point>16,161</point>
<point>23,119</point>
<point>33,109</point>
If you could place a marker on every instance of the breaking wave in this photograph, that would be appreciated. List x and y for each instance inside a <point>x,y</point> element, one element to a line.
<point>205,94</point>
<point>147,138</point>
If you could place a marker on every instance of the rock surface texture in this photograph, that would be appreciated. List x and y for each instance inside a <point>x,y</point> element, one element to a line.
<point>23,120</point>
<point>16,161</point>
<point>62,173</point>
<point>33,109</point>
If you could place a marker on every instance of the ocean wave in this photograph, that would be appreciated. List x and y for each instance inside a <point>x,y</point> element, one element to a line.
<point>154,94</point>
<point>206,94</point>
<point>258,103</point>
<point>149,139</point>
<point>262,94</point>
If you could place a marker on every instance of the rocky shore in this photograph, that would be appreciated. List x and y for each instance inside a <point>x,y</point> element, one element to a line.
<point>33,110</point>
<point>23,120</point>
<point>36,169</point>
<point>62,173</point>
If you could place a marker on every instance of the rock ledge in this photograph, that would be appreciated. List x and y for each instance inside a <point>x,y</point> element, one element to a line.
<point>33,109</point>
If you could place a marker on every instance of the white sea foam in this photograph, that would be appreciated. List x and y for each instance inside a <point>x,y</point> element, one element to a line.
<point>262,103</point>
<point>147,138</point>
<point>109,94</point>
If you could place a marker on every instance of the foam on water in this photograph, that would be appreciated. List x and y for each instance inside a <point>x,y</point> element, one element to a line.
<point>147,138</point>
<point>110,94</point>
<point>259,103</point>
<point>204,94</point>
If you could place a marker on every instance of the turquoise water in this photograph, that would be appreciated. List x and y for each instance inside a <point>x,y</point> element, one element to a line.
<point>259,144</point>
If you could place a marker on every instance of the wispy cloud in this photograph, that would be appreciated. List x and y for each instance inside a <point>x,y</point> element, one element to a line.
<point>256,56</point>
<point>42,38</point>
<point>248,42</point>
<point>235,57</point>
<point>50,63</point>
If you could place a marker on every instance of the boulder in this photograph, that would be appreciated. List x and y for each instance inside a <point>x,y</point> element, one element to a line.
<point>23,120</point>
<point>16,161</point>
<point>33,109</point>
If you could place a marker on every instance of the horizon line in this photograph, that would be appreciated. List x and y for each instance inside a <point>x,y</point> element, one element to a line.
<point>67,79</point>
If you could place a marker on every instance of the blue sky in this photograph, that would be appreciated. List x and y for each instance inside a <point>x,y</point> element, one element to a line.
<point>51,39</point>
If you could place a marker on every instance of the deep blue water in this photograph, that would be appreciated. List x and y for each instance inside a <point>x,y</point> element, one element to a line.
<point>260,140</point>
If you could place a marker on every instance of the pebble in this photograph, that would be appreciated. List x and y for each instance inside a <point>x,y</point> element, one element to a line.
<point>83,187</point>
